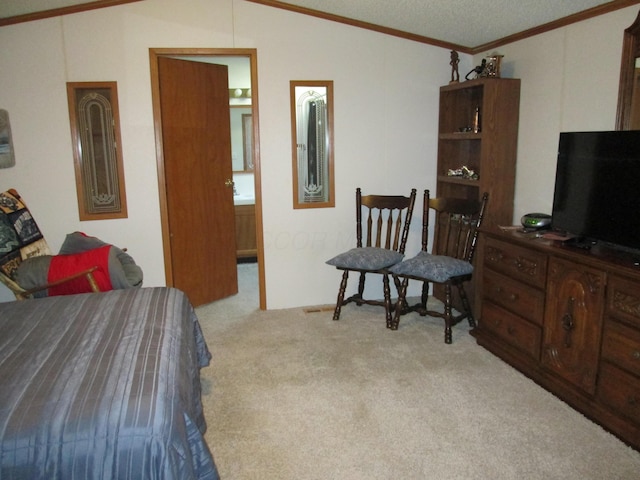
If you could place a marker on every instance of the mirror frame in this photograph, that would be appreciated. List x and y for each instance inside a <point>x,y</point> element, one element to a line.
<point>630,51</point>
<point>247,141</point>
<point>299,146</point>
<point>7,156</point>
<point>97,150</point>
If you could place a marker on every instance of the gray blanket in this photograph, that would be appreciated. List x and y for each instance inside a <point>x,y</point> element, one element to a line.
<point>103,386</point>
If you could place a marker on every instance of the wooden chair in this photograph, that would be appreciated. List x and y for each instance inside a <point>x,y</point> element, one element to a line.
<point>457,223</point>
<point>20,238</point>
<point>386,227</point>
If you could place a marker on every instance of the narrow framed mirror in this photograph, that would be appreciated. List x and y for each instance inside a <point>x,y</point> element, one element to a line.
<point>312,143</point>
<point>241,138</point>
<point>97,150</point>
<point>628,116</point>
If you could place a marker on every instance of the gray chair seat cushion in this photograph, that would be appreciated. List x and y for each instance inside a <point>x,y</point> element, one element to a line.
<point>435,268</point>
<point>366,258</point>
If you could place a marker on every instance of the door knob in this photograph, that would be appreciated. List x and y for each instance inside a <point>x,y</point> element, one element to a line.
<point>228,183</point>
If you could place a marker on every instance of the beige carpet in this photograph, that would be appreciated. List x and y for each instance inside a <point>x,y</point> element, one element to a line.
<point>296,396</point>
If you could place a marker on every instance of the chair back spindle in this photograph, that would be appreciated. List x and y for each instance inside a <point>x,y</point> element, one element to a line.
<point>457,224</point>
<point>388,220</point>
<point>359,218</point>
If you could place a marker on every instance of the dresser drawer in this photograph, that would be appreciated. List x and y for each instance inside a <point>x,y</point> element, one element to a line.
<point>517,297</point>
<point>623,300</point>
<point>517,262</point>
<point>620,391</point>
<point>621,345</point>
<point>515,330</point>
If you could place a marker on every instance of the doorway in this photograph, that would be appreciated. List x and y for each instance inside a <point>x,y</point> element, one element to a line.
<point>200,55</point>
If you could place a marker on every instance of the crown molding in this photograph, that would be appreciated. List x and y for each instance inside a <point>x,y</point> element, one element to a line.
<point>56,12</point>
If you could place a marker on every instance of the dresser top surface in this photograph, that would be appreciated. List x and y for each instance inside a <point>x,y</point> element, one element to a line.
<point>595,254</point>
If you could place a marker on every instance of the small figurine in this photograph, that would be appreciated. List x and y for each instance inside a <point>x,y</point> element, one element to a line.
<point>455,60</point>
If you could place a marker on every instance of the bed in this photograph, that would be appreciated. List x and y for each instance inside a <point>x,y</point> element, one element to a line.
<point>103,386</point>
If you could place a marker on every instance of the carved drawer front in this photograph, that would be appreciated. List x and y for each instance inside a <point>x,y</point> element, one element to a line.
<point>621,345</point>
<point>514,330</point>
<point>526,265</point>
<point>573,322</point>
<point>517,297</point>
<point>623,300</point>
<point>620,391</point>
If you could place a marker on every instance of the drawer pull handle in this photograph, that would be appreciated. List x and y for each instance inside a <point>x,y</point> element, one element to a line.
<point>636,355</point>
<point>513,297</point>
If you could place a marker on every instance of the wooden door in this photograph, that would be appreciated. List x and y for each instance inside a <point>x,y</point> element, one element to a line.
<point>194,101</point>
<point>573,322</point>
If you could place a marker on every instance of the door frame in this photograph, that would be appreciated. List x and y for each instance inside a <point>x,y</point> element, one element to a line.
<point>252,54</point>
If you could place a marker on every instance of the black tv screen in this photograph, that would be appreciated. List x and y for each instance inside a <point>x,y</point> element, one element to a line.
<point>597,189</point>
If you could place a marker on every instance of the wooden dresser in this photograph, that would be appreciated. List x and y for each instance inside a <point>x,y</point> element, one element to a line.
<point>569,318</point>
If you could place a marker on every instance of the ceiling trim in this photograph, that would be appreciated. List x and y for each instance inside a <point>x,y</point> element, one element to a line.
<point>56,12</point>
<point>562,22</point>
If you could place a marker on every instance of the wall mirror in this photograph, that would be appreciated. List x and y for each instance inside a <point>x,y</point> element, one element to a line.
<point>628,116</point>
<point>241,138</point>
<point>97,150</point>
<point>312,143</point>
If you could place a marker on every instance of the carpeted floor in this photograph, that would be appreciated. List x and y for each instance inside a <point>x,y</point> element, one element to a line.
<point>292,395</point>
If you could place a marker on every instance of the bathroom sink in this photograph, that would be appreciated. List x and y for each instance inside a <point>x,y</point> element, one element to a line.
<point>244,199</point>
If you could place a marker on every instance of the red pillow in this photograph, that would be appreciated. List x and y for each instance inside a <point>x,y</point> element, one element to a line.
<point>65,265</point>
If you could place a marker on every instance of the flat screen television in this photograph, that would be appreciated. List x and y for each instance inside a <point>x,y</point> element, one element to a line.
<point>597,190</point>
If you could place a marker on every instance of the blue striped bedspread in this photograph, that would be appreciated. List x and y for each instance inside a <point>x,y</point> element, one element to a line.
<point>103,386</point>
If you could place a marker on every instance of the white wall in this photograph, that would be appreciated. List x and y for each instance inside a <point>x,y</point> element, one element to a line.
<point>386,110</point>
<point>570,82</point>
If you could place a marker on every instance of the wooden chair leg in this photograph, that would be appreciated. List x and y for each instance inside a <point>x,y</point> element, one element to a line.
<point>387,299</point>
<point>361,287</point>
<point>343,288</point>
<point>425,294</point>
<point>466,306</point>
<point>448,337</point>
<point>401,304</point>
<point>397,284</point>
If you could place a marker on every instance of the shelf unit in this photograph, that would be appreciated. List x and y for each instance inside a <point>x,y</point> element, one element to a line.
<point>490,152</point>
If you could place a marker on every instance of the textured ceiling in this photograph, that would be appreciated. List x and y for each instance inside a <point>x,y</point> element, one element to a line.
<point>468,23</point>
